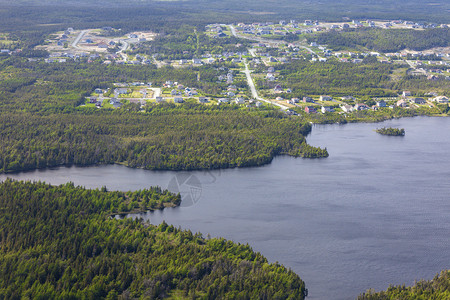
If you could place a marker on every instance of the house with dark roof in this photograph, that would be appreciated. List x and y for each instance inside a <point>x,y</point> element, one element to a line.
<point>310,110</point>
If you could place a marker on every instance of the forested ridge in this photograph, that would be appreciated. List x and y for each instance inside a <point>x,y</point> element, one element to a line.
<point>58,242</point>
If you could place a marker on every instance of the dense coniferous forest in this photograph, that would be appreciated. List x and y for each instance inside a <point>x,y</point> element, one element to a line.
<point>437,11</point>
<point>163,138</point>
<point>384,40</point>
<point>60,243</point>
<point>436,289</point>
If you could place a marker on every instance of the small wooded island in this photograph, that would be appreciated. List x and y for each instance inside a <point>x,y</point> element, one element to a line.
<point>391,131</point>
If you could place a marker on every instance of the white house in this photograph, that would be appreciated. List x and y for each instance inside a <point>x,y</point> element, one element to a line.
<point>347,108</point>
<point>325,98</point>
<point>239,100</point>
<point>325,109</point>
<point>441,99</point>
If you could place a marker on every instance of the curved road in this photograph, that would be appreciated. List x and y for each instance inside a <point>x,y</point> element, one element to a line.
<point>124,48</point>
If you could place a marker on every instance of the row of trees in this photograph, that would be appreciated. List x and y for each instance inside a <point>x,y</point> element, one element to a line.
<point>58,242</point>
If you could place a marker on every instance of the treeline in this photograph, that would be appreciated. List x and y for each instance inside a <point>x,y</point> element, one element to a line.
<point>438,288</point>
<point>384,40</point>
<point>59,243</point>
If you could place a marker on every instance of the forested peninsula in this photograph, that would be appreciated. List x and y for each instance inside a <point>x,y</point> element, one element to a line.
<point>59,242</point>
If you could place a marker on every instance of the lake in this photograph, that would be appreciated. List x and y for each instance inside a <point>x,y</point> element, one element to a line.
<point>377,211</point>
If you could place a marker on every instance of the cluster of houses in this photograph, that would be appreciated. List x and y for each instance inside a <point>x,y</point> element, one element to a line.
<point>217,29</point>
<point>64,38</point>
<point>308,26</point>
<point>405,101</point>
<point>269,28</point>
<point>228,77</point>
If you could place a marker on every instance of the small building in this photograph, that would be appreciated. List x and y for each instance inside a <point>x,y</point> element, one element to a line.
<point>310,110</point>
<point>401,103</point>
<point>258,104</point>
<point>348,98</point>
<point>278,89</point>
<point>239,100</point>
<point>121,91</point>
<point>381,103</point>
<point>159,100</point>
<point>347,108</point>
<point>308,100</point>
<point>418,101</point>
<point>406,94</point>
<point>223,100</point>
<point>361,106</point>
<point>325,98</point>
<point>203,100</point>
<point>441,99</point>
<point>178,100</point>
<point>326,109</point>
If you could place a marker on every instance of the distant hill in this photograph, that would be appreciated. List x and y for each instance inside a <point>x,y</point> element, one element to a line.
<point>437,11</point>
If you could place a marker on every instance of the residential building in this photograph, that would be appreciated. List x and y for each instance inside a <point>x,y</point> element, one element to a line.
<point>310,110</point>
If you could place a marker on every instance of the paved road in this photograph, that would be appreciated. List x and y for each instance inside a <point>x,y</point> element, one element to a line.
<point>411,64</point>
<point>78,38</point>
<point>124,48</point>
<point>233,30</point>
<point>251,84</point>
